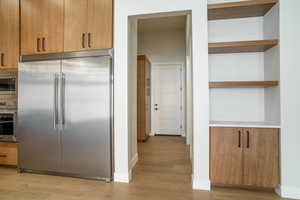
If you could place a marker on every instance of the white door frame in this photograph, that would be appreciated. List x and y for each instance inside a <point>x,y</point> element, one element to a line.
<point>182,80</point>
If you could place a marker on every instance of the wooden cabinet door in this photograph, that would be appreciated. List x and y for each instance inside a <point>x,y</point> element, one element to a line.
<point>75,38</point>
<point>8,153</point>
<point>148,96</point>
<point>52,26</point>
<point>141,99</point>
<point>31,24</point>
<point>226,156</point>
<point>100,24</point>
<point>9,33</point>
<point>41,26</point>
<point>261,167</point>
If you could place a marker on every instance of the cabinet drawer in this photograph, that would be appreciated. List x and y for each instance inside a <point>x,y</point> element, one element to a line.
<point>8,154</point>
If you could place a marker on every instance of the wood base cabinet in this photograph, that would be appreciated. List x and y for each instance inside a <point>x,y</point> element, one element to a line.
<point>244,157</point>
<point>143,99</point>
<point>8,154</point>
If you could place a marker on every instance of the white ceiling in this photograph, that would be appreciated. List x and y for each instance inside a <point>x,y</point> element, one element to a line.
<point>162,24</point>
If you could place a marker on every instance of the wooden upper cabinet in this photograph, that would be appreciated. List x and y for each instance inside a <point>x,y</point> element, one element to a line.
<point>88,25</point>
<point>53,26</point>
<point>100,24</point>
<point>31,24</point>
<point>226,165</point>
<point>41,26</point>
<point>261,167</point>
<point>75,38</point>
<point>9,33</point>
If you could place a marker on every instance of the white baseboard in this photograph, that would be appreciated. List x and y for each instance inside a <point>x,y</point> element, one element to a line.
<point>126,177</point>
<point>122,177</point>
<point>199,184</point>
<point>288,192</point>
<point>133,161</point>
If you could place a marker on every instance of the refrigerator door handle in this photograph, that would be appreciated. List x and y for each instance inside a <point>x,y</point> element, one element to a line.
<point>63,88</point>
<point>55,113</point>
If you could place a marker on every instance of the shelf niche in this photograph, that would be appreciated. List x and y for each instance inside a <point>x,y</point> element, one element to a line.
<point>236,84</point>
<point>251,8</point>
<point>241,46</point>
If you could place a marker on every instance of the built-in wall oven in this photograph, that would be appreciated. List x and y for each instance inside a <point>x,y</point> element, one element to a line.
<point>8,106</point>
<point>8,91</point>
<point>7,124</point>
<point>7,85</point>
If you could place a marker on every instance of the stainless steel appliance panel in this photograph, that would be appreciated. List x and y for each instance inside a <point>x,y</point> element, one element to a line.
<point>37,130</point>
<point>86,117</point>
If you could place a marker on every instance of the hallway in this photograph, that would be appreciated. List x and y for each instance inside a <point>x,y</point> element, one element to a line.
<point>163,172</point>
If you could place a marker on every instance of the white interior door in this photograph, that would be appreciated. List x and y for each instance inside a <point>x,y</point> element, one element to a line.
<point>167,99</point>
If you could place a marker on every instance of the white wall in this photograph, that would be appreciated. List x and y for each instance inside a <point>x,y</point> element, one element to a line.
<point>272,66</point>
<point>163,46</point>
<point>290,97</point>
<point>198,9</point>
<point>235,29</point>
<point>189,85</point>
<point>132,91</point>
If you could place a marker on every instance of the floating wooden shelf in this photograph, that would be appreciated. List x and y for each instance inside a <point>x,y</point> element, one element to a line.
<point>251,8</point>
<point>232,84</point>
<point>241,46</point>
<point>8,99</point>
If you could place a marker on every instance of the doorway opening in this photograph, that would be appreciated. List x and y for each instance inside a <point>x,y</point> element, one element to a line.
<point>160,74</point>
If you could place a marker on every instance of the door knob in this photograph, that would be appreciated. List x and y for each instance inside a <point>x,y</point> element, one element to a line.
<point>155,108</point>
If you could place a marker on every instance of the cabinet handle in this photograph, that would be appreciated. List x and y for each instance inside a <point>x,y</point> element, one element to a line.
<point>89,40</point>
<point>43,44</point>
<point>38,44</point>
<point>3,156</point>
<point>240,138</point>
<point>248,139</point>
<point>2,59</point>
<point>83,40</point>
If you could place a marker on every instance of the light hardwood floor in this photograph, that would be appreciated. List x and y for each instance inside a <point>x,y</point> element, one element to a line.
<point>163,172</point>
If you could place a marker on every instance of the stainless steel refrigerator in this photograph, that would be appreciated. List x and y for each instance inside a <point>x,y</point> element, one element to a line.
<point>65,114</point>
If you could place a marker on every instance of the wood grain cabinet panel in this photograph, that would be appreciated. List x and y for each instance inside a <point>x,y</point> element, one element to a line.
<point>75,38</point>
<point>88,25</point>
<point>226,156</point>
<point>53,26</point>
<point>31,24</point>
<point>261,157</point>
<point>143,98</point>
<point>100,24</point>
<point>8,154</point>
<point>42,26</point>
<point>9,33</point>
<point>254,162</point>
